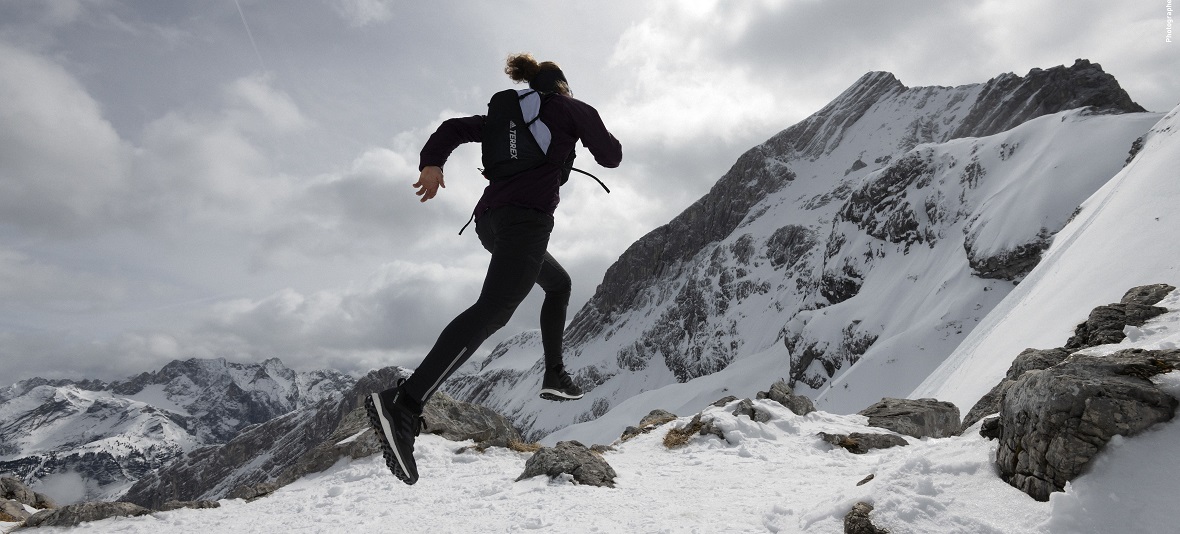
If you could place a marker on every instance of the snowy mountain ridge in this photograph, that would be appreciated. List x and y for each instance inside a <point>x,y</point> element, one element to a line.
<point>849,254</point>
<point>89,439</point>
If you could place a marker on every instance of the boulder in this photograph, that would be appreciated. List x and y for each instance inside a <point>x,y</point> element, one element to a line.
<point>12,511</point>
<point>651,421</point>
<point>75,514</point>
<point>857,520</point>
<point>781,393</point>
<point>919,418</point>
<point>1029,360</point>
<point>13,488</point>
<point>1106,323</point>
<point>1053,421</point>
<point>572,458</point>
<point>461,421</point>
<point>860,443</point>
<point>746,407</point>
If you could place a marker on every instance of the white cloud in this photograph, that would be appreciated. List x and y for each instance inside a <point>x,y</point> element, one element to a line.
<point>363,12</point>
<point>63,168</point>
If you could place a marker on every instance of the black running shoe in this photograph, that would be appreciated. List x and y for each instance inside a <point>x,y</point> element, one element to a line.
<point>396,427</point>
<point>558,386</point>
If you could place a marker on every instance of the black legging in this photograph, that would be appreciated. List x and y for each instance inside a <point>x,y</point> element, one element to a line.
<point>517,239</point>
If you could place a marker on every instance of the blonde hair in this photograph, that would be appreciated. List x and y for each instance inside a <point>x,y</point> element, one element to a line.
<point>524,68</point>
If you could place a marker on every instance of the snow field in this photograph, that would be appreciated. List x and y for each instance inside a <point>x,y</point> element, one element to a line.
<point>777,477</point>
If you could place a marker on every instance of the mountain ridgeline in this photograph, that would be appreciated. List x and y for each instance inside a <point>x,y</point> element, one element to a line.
<point>873,234</point>
<point>91,440</point>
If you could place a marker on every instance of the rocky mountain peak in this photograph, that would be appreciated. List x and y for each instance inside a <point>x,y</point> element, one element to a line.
<point>1008,100</point>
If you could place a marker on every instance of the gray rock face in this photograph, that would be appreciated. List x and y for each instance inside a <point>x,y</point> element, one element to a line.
<point>857,520</point>
<point>1029,360</point>
<point>921,418</point>
<point>1055,420</point>
<point>1009,100</point>
<point>781,393</point>
<point>12,511</point>
<point>75,514</point>
<point>1011,265</point>
<point>860,442</point>
<point>572,458</point>
<point>1106,323</point>
<point>13,489</point>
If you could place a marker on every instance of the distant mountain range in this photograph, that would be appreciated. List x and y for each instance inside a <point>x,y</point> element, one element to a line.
<point>90,440</point>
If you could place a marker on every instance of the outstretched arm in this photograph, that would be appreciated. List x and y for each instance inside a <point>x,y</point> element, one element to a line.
<point>428,182</point>
<point>450,134</point>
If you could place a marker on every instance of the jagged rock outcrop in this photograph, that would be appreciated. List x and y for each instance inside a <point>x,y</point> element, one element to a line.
<point>1009,100</point>
<point>919,418</point>
<point>1029,360</point>
<point>570,458</point>
<point>1054,421</point>
<point>74,514</point>
<point>1104,325</point>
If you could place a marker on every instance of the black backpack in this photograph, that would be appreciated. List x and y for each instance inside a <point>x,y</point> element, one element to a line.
<point>509,148</point>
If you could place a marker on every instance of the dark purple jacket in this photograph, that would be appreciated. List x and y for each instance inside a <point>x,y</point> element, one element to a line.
<point>568,120</point>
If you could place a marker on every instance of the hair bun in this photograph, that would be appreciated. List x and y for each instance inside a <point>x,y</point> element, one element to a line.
<point>522,67</point>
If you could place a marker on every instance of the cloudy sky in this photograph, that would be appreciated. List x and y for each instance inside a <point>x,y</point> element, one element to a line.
<point>232,179</point>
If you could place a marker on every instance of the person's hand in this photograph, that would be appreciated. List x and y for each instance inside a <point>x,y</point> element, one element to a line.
<point>428,183</point>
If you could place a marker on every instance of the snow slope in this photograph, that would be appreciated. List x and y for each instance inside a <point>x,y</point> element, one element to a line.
<point>764,477</point>
<point>1125,236</point>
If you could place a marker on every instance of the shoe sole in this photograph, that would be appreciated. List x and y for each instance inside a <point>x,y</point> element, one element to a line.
<point>381,426</point>
<point>555,395</point>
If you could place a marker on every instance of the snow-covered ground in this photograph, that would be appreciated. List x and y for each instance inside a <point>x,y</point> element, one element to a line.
<point>765,477</point>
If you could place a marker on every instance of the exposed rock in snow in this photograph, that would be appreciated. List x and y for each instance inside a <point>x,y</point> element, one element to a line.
<point>860,442</point>
<point>573,459</point>
<point>921,418</point>
<point>83,512</point>
<point>857,521</point>
<point>1055,420</point>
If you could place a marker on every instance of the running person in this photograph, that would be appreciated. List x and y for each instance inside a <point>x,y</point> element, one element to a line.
<point>513,220</point>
